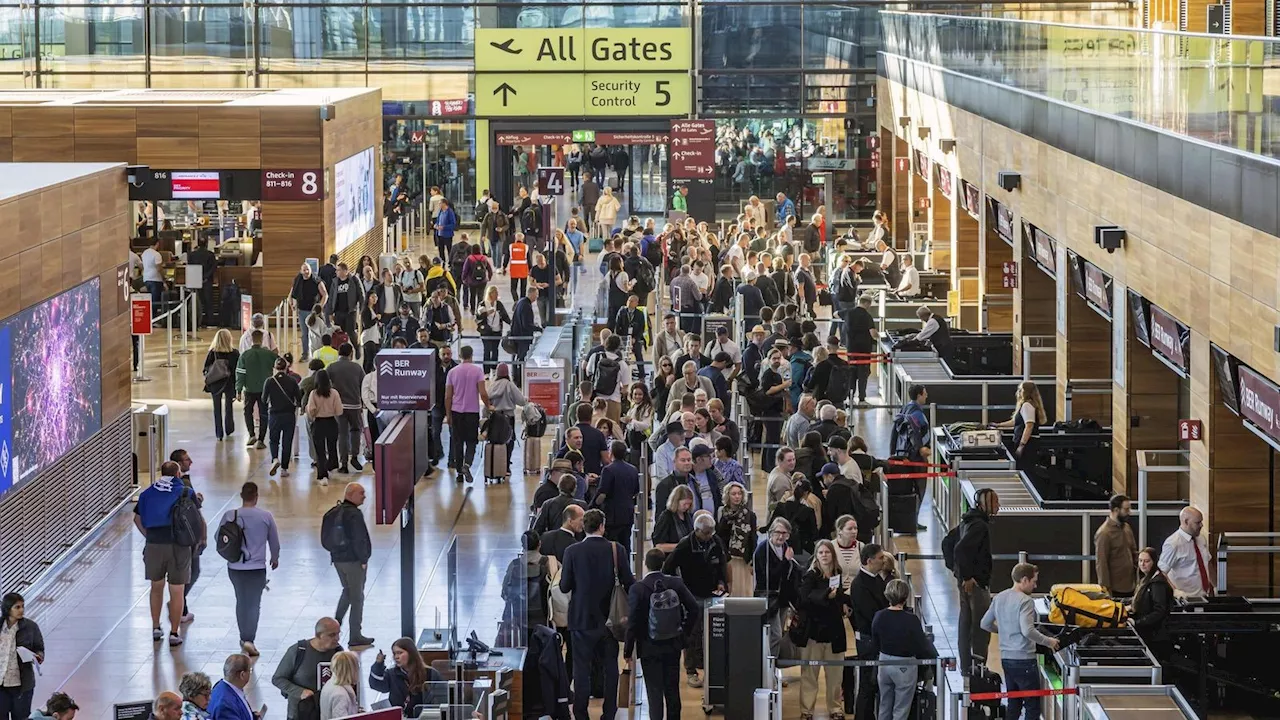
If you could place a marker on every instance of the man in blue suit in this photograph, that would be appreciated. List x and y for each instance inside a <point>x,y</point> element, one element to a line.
<point>660,657</point>
<point>228,701</point>
<point>589,570</point>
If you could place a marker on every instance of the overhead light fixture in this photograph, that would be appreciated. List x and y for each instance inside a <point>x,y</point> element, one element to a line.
<point>904,121</point>
<point>923,132</point>
<point>1008,180</point>
<point>1109,237</point>
<point>947,144</point>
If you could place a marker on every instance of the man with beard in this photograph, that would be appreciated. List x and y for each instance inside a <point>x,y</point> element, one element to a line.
<point>1117,550</point>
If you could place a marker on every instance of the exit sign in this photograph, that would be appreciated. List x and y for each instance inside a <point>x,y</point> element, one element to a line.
<point>1190,430</point>
<point>584,136</point>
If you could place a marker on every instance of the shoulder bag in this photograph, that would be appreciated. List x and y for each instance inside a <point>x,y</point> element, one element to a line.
<point>618,605</point>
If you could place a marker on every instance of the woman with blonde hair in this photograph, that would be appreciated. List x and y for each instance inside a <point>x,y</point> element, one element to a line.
<point>676,521</point>
<point>220,381</point>
<point>823,605</point>
<point>1026,422</point>
<point>737,530</point>
<point>341,695</point>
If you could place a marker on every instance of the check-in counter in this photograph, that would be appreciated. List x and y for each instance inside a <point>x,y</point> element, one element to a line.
<point>1057,535</point>
<point>963,398</point>
<point>1134,702</point>
<point>1112,656</point>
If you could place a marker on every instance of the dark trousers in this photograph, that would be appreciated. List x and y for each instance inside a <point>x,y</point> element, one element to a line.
<point>248,585</point>
<point>371,419</point>
<point>973,641</point>
<point>252,400</point>
<point>135,352</point>
<point>280,429</point>
<point>464,433</point>
<point>862,374</point>
<point>349,428</point>
<point>491,345</point>
<point>594,649</point>
<point>1022,675</point>
<point>772,436</point>
<point>518,287</point>
<point>868,690</point>
<point>693,650</point>
<point>224,422</point>
<point>444,246</point>
<point>436,449</point>
<point>325,430</point>
<point>662,686</point>
<point>347,321</point>
<point>473,295</point>
<point>16,705</point>
<point>195,575</point>
<point>352,576</point>
<point>620,534</point>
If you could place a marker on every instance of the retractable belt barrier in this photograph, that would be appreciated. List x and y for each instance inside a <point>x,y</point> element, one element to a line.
<point>918,475</point>
<point>981,697</point>
<point>907,662</point>
<point>859,358</point>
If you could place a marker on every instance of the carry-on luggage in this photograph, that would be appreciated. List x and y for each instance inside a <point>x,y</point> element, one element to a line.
<point>925,705</point>
<point>532,456</point>
<point>984,680</point>
<point>903,513</point>
<point>495,462</point>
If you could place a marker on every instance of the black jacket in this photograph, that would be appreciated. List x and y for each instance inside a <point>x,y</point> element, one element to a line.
<point>804,525</point>
<point>1151,608</point>
<point>551,514</point>
<point>638,629</point>
<point>442,373</point>
<point>393,681</point>
<point>588,574</point>
<point>546,676</point>
<point>768,289</point>
<point>545,492</point>
<point>281,394</point>
<point>359,546</point>
<point>629,325</point>
<point>973,548</point>
<point>523,322</point>
<point>777,578</point>
<point>823,615</point>
<point>722,295</point>
<point>233,359</point>
<point>554,542</point>
<point>28,636</point>
<point>702,565</point>
<point>867,595</point>
<point>841,500</point>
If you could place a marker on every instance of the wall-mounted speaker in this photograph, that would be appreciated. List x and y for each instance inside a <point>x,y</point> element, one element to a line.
<point>1109,237</point>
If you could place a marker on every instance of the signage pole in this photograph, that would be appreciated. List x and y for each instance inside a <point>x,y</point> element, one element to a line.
<point>185,304</point>
<point>142,360</point>
<point>407,528</point>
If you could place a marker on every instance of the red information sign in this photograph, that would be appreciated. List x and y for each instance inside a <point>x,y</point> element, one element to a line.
<point>901,164</point>
<point>1190,430</point>
<point>1009,275</point>
<point>922,203</point>
<point>546,394</point>
<point>246,311</point>
<point>417,137</point>
<point>693,149</point>
<point>439,108</point>
<point>295,184</point>
<point>140,314</point>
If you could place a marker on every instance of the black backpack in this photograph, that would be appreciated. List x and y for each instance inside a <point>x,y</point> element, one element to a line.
<point>479,275</point>
<point>606,375</point>
<point>906,437</point>
<point>839,384</point>
<point>333,535</point>
<point>498,429</point>
<point>529,222</point>
<point>186,520</point>
<point>645,281</point>
<point>666,615</point>
<point>230,540</point>
<point>949,546</point>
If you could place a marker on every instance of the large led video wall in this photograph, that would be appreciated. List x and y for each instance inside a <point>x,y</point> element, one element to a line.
<point>50,382</point>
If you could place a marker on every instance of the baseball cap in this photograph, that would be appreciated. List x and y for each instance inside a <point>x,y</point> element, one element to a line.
<point>722,330</point>
<point>830,469</point>
<point>837,443</point>
<point>749,276</point>
<point>702,450</point>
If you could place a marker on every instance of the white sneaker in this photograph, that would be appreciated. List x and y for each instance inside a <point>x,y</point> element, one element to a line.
<point>249,649</point>
<point>324,482</point>
<point>275,468</point>
<point>188,618</point>
<point>284,473</point>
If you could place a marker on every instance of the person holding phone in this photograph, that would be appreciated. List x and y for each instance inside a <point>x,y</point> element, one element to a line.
<point>408,681</point>
<point>824,604</point>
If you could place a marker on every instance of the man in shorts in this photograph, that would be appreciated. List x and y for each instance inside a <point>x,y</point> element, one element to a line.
<point>163,559</point>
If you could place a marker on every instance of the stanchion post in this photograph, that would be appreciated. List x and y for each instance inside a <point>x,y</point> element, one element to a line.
<point>885,533</point>
<point>1022,557</point>
<point>168,333</point>
<point>185,323</point>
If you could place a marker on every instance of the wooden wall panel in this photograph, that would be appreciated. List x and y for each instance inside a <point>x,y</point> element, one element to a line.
<point>290,122</point>
<point>106,121</point>
<point>106,149</point>
<point>229,153</point>
<point>168,121</point>
<point>229,121</point>
<point>901,210</point>
<point>291,152</point>
<point>33,150</point>
<point>167,152</point>
<point>998,299</point>
<point>43,121</point>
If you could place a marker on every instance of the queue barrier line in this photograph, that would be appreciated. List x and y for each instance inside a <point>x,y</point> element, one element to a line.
<point>908,662</point>
<point>981,697</point>
<point>917,476</point>
<point>916,463</point>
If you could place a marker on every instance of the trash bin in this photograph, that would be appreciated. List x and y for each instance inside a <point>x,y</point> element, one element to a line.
<point>150,440</point>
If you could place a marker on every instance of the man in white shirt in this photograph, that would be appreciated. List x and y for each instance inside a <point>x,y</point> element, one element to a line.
<point>669,341</point>
<point>701,278</point>
<point>910,285</point>
<point>780,477</point>
<point>722,344</point>
<point>153,273</point>
<point>840,455</point>
<point>1185,556</point>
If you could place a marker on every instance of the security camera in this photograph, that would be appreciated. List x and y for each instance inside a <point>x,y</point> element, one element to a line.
<point>137,174</point>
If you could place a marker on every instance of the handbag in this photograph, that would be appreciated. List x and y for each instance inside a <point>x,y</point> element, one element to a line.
<point>508,345</point>
<point>619,605</point>
<point>626,689</point>
<point>799,630</point>
<point>217,372</point>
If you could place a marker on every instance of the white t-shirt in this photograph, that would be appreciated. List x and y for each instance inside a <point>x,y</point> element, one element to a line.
<point>910,279</point>
<point>152,264</point>
<point>851,471</point>
<point>702,281</point>
<point>730,347</point>
<point>622,280</point>
<point>888,257</point>
<point>1028,413</point>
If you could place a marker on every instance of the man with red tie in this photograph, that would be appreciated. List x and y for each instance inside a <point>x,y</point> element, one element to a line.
<point>1185,556</point>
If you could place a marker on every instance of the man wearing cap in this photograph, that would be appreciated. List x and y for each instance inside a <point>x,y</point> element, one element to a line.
<point>723,344</point>
<point>669,340</point>
<point>714,373</point>
<point>705,481</point>
<point>838,450</point>
<point>752,299</point>
<point>842,498</point>
<point>665,456</point>
<point>551,486</point>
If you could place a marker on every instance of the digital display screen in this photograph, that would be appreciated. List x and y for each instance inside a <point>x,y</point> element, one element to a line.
<point>1138,308</point>
<point>196,185</point>
<point>355,191</point>
<point>1225,369</point>
<point>50,382</point>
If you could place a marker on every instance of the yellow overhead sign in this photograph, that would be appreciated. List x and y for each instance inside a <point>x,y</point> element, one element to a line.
<point>583,94</point>
<point>583,50</point>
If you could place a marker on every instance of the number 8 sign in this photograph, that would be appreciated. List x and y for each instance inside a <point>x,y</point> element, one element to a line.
<point>551,181</point>
<point>295,184</point>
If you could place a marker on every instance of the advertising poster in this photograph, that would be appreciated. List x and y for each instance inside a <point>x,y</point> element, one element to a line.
<point>1063,279</point>
<point>1119,334</point>
<point>246,311</point>
<point>7,464</point>
<point>355,194</point>
<point>406,379</point>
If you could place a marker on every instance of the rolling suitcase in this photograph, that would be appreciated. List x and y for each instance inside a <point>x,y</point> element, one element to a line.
<point>925,705</point>
<point>903,512</point>
<point>495,462</point>
<point>984,680</point>
<point>532,456</point>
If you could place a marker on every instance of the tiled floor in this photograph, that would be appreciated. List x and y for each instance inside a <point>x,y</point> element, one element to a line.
<point>93,609</point>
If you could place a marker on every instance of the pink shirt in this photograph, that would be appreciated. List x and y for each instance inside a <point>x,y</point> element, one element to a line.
<point>465,379</point>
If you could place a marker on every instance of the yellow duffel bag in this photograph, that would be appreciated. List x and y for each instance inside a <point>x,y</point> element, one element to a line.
<point>1085,606</point>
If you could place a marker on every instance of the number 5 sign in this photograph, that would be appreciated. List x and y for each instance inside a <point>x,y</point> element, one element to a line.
<point>294,184</point>
<point>551,181</point>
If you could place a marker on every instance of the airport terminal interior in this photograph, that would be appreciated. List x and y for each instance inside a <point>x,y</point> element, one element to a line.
<point>907,359</point>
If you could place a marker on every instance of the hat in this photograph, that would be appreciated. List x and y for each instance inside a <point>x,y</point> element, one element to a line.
<point>837,443</point>
<point>561,464</point>
<point>781,343</point>
<point>749,276</point>
<point>702,450</point>
<point>675,427</point>
<point>757,329</point>
<point>830,469</point>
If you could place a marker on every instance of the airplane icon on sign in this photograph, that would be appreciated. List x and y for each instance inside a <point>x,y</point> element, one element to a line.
<point>506,47</point>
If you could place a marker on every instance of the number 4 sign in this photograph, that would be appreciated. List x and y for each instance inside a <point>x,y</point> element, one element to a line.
<point>551,181</point>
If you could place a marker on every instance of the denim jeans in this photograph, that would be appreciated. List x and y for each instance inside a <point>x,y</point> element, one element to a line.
<point>280,428</point>
<point>248,586</point>
<point>1022,675</point>
<point>306,336</point>
<point>224,421</point>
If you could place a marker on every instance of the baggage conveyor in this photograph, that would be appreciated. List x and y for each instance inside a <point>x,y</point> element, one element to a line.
<point>1133,702</point>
